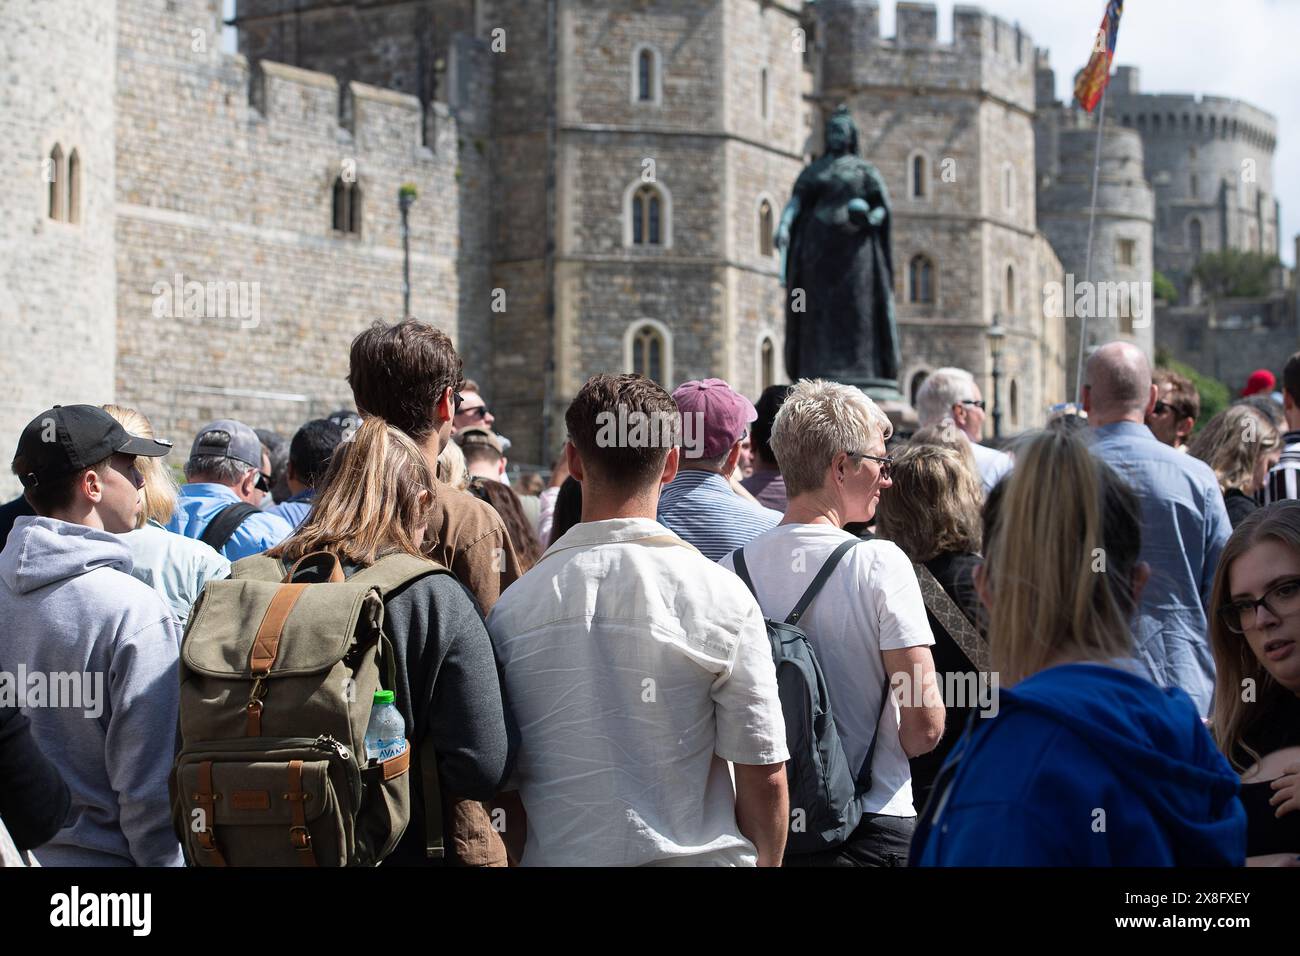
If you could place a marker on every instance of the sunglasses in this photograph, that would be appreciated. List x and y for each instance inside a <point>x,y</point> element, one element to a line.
<point>263,482</point>
<point>886,463</point>
<point>978,403</point>
<point>479,412</point>
<point>1161,408</point>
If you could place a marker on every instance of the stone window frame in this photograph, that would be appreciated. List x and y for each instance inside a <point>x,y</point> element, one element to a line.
<point>927,175</point>
<point>1013,402</point>
<point>665,335</point>
<point>656,76</point>
<point>766,245</point>
<point>764,93</point>
<point>354,197</point>
<point>1123,243</point>
<point>1198,247</point>
<point>778,377</point>
<point>916,378</point>
<point>665,215</point>
<point>1008,184</point>
<point>912,294</point>
<point>55,197</point>
<point>1010,299</point>
<point>72,203</point>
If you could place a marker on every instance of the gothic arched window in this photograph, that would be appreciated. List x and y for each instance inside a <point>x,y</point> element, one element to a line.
<point>54,173</point>
<point>920,279</point>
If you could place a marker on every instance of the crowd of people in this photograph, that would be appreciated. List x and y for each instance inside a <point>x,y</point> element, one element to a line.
<point>1076,649</point>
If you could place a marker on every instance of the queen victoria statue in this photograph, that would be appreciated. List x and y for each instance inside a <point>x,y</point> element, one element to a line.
<point>838,269</point>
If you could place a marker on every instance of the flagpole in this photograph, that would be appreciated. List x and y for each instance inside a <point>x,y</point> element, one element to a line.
<point>1092,220</point>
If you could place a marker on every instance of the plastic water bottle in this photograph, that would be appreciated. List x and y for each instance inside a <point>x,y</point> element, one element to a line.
<point>386,732</point>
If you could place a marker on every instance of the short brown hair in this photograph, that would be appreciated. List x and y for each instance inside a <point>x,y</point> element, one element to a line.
<point>55,494</point>
<point>1183,396</point>
<point>607,406</point>
<point>934,505</point>
<point>1291,377</point>
<point>399,372</point>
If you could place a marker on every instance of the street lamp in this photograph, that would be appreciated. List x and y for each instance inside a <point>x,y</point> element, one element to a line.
<point>997,334</point>
<point>405,199</point>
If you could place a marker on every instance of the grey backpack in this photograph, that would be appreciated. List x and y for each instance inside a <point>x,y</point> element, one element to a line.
<point>826,796</point>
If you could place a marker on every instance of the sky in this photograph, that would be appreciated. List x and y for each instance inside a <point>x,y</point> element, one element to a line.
<point>1243,49</point>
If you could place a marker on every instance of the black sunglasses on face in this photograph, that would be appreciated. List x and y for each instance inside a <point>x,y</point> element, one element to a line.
<point>457,400</point>
<point>1161,408</point>
<point>978,403</point>
<point>263,482</point>
<point>478,411</point>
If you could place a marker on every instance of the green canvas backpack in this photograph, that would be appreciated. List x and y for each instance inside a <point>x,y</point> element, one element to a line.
<point>277,682</point>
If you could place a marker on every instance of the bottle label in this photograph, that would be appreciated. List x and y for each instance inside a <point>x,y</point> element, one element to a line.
<point>386,749</point>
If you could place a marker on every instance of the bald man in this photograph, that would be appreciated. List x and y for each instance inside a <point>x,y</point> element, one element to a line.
<point>1184,522</point>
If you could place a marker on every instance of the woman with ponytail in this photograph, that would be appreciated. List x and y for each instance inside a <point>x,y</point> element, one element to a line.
<point>1083,761</point>
<point>376,500</point>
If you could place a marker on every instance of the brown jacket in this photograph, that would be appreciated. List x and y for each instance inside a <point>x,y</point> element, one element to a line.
<point>468,536</point>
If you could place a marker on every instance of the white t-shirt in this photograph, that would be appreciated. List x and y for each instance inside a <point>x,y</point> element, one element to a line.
<point>992,464</point>
<point>636,668</point>
<point>871,603</point>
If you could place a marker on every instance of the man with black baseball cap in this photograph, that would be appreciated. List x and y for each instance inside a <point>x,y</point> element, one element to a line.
<point>227,482</point>
<point>94,649</point>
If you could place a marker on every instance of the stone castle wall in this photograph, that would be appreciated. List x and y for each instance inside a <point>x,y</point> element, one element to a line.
<point>57,309</point>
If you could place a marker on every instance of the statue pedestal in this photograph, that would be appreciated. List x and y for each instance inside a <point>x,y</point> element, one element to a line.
<point>885,393</point>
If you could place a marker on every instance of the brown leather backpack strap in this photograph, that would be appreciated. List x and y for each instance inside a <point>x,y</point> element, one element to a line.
<point>266,645</point>
<point>206,800</point>
<point>299,835</point>
<point>336,566</point>
<point>958,625</point>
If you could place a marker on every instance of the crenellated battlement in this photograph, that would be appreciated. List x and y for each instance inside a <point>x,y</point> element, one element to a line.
<point>986,54</point>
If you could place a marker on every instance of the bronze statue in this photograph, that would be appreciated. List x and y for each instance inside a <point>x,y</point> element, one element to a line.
<point>838,269</point>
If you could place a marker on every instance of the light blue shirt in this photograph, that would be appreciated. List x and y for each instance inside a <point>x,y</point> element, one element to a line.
<point>175,566</point>
<point>198,505</point>
<point>1184,529</point>
<point>294,510</point>
<point>700,507</point>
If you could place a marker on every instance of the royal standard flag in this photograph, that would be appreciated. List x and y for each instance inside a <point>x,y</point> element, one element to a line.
<point>1092,81</point>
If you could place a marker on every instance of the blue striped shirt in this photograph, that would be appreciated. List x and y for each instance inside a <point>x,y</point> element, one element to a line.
<point>700,507</point>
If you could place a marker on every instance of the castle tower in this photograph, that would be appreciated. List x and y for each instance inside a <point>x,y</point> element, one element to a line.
<point>950,127</point>
<point>57,276</point>
<point>1210,161</point>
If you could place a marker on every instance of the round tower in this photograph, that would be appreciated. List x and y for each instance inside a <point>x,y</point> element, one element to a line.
<point>1121,244</point>
<point>57,275</point>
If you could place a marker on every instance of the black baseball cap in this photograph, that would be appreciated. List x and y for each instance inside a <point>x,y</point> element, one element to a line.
<point>70,438</point>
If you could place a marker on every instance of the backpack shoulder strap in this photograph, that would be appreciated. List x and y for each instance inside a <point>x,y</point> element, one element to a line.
<point>827,569</point>
<point>939,603</point>
<point>225,523</point>
<point>395,570</point>
<point>742,570</point>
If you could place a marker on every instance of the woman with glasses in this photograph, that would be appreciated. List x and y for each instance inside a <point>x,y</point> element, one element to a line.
<point>1084,761</point>
<point>1241,445</point>
<point>1255,637</point>
<point>867,624</point>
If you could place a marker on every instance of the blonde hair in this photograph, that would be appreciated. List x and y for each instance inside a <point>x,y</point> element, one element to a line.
<point>934,505</point>
<point>1065,510</point>
<point>158,495</point>
<point>452,468</point>
<point>1234,661</point>
<point>819,420</point>
<point>377,493</point>
<point>946,434</point>
<point>1231,443</point>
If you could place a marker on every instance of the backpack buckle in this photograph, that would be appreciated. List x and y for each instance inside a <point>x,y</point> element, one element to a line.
<point>300,838</point>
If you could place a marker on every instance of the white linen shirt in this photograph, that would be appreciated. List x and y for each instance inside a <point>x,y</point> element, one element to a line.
<point>636,669</point>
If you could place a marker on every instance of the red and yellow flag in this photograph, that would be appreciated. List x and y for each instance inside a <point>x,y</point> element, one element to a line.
<point>1092,81</point>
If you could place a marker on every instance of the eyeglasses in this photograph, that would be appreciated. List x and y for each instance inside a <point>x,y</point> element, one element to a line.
<point>478,411</point>
<point>1281,600</point>
<point>1161,408</point>
<point>885,463</point>
<point>263,482</point>
<point>457,399</point>
<point>977,402</point>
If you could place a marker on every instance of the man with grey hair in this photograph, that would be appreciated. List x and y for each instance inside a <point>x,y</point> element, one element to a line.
<point>867,624</point>
<point>950,394</point>
<point>1184,522</point>
<point>227,480</point>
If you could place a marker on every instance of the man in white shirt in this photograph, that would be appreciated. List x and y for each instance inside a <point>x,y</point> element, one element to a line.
<point>868,620</point>
<point>636,670</point>
<point>951,394</point>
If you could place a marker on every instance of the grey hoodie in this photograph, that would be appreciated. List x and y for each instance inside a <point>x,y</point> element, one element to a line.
<point>69,606</point>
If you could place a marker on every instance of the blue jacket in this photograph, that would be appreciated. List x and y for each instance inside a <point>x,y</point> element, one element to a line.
<point>294,510</point>
<point>1084,765</point>
<point>198,505</point>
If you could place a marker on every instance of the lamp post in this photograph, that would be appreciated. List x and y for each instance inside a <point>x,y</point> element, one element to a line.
<point>997,334</point>
<point>405,199</point>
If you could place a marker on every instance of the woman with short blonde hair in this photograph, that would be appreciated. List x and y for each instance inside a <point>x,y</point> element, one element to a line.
<point>175,566</point>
